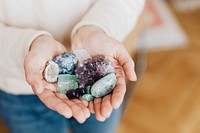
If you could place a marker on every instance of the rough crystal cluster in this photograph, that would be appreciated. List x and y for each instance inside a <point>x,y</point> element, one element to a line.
<point>92,70</point>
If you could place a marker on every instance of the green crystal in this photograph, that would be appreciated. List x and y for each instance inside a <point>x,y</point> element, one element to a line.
<point>66,77</point>
<point>66,82</point>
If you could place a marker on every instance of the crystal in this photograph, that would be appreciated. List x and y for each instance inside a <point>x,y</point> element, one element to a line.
<point>66,82</point>
<point>104,86</point>
<point>71,94</point>
<point>51,72</point>
<point>67,62</point>
<point>88,97</point>
<point>93,69</point>
<point>80,92</point>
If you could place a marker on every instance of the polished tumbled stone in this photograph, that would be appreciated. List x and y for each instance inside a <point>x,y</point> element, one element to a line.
<point>67,62</point>
<point>51,72</point>
<point>66,82</point>
<point>104,86</point>
<point>71,94</point>
<point>88,97</point>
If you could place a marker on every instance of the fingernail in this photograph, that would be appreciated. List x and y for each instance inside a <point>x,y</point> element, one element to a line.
<point>68,114</point>
<point>102,119</point>
<point>107,113</point>
<point>87,114</point>
<point>116,103</point>
<point>82,121</point>
<point>134,77</point>
<point>116,106</point>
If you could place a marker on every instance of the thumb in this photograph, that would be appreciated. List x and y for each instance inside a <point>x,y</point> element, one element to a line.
<point>126,62</point>
<point>36,83</point>
<point>32,74</point>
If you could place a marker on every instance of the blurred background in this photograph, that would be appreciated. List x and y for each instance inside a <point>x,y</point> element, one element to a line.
<point>166,97</point>
<point>166,48</point>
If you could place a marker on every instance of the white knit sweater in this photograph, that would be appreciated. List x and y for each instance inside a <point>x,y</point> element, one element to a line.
<point>21,21</point>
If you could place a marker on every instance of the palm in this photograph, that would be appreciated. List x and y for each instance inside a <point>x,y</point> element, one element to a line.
<point>101,44</point>
<point>34,66</point>
<point>102,107</point>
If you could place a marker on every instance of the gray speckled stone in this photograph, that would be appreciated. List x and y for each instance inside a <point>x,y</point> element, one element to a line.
<point>104,86</point>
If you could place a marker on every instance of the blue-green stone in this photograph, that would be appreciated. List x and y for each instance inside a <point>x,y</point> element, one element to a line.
<point>88,97</point>
<point>104,86</point>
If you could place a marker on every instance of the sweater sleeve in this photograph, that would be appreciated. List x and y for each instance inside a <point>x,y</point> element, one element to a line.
<point>14,46</point>
<point>115,17</point>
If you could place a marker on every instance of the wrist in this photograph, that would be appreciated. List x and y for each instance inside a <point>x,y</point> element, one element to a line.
<point>48,44</point>
<point>91,29</point>
<point>85,35</point>
<point>39,39</point>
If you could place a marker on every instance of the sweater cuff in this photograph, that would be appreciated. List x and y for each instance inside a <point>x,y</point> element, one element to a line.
<point>32,35</point>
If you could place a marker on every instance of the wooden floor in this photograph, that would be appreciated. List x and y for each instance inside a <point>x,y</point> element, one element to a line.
<point>167,98</point>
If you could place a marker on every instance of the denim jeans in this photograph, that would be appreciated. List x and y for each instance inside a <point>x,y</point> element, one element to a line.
<point>27,114</point>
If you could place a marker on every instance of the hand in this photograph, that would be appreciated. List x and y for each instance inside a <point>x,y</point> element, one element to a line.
<point>42,50</point>
<point>96,42</point>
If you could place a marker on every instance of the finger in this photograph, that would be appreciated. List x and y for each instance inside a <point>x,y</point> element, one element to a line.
<point>34,63</point>
<point>61,96</point>
<point>119,92</point>
<point>126,62</point>
<point>78,113</point>
<point>91,107</point>
<point>32,73</point>
<point>97,108</point>
<point>82,107</point>
<point>106,106</point>
<point>54,103</point>
<point>84,102</point>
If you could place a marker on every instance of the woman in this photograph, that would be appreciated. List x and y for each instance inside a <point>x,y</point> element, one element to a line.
<point>35,31</point>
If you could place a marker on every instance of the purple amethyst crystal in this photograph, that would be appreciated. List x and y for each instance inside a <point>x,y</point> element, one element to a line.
<point>92,70</point>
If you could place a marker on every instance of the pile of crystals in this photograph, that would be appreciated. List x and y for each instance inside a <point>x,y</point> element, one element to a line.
<point>93,77</point>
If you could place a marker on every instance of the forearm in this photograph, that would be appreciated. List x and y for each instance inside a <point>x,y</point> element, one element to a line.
<point>14,45</point>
